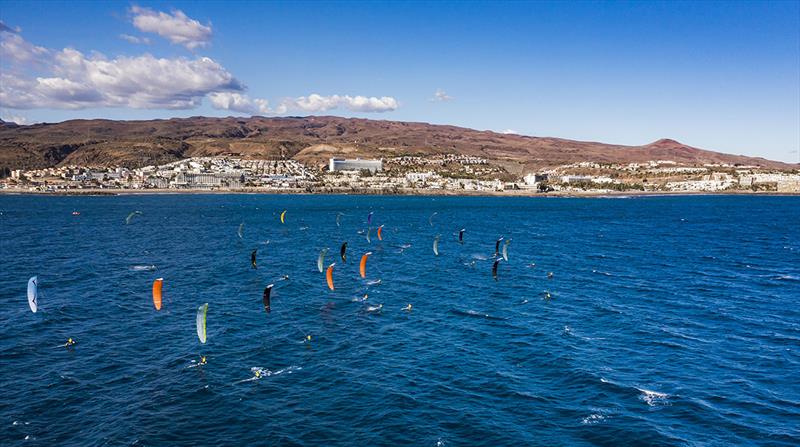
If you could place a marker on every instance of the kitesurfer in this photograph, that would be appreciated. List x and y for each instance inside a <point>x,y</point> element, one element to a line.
<point>253,259</point>
<point>407,308</point>
<point>70,342</point>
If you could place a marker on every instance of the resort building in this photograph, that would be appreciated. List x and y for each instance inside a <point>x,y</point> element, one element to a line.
<point>343,164</point>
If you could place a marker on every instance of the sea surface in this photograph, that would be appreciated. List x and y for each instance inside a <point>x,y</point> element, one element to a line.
<point>669,321</point>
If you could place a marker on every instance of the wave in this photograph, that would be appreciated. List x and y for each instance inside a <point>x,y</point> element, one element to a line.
<point>142,268</point>
<point>650,397</point>
<point>786,278</point>
<point>653,398</point>
<point>260,373</point>
<point>472,313</point>
<point>594,418</point>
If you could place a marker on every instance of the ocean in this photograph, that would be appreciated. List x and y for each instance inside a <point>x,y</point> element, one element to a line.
<point>666,321</point>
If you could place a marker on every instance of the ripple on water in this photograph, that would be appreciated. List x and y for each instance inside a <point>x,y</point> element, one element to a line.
<point>670,321</point>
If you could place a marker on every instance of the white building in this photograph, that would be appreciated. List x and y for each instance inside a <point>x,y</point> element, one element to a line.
<point>534,179</point>
<point>343,164</point>
<point>414,177</point>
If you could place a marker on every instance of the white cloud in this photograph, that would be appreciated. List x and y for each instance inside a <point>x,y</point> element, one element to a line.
<point>510,132</point>
<point>15,49</point>
<point>318,103</point>
<point>21,120</point>
<point>6,28</point>
<point>177,27</point>
<point>441,96</point>
<point>135,39</point>
<point>237,102</point>
<point>69,79</point>
<point>313,103</point>
<point>142,81</point>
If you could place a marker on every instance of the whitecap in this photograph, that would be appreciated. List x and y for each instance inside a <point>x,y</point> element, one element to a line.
<point>260,373</point>
<point>594,418</point>
<point>787,278</point>
<point>374,309</point>
<point>142,268</point>
<point>653,398</point>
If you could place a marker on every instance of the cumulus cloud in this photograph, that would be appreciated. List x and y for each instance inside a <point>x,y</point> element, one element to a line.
<point>21,120</point>
<point>318,103</point>
<point>15,49</point>
<point>177,27</point>
<point>143,81</point>
<point>135,39</point>
<point>6,28</point>
<point>441,96</point>
<point>236,102</point>
<point>313,103</point>
<point>70,79</point>
<point>510,132</point>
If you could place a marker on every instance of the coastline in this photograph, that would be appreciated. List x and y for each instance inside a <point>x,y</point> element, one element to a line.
<point>401,192</point>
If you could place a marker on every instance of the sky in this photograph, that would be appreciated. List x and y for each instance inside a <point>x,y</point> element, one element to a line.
<point>722,76</point>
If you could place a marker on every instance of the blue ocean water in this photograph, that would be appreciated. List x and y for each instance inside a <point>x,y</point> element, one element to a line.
<point>670,321</point>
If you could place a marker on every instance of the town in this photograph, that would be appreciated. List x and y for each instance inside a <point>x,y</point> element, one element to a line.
<point>446,174</point>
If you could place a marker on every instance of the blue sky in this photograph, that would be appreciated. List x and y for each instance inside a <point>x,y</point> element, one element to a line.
<point>720,76</point>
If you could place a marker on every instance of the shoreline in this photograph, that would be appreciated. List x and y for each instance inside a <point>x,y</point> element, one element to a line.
<point>409,192</point>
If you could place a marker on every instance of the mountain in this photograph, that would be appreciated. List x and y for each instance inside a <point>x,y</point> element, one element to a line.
<point>313,140</point>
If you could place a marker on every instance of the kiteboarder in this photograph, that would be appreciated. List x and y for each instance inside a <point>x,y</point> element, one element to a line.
<point>253,259</point>
<point>407,308</point>
<point>70,342</point>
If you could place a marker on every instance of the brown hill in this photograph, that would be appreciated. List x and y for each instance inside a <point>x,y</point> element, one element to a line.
<point>313,140</point>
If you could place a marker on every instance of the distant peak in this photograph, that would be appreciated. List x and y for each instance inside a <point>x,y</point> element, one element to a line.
<point>666,142</point>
